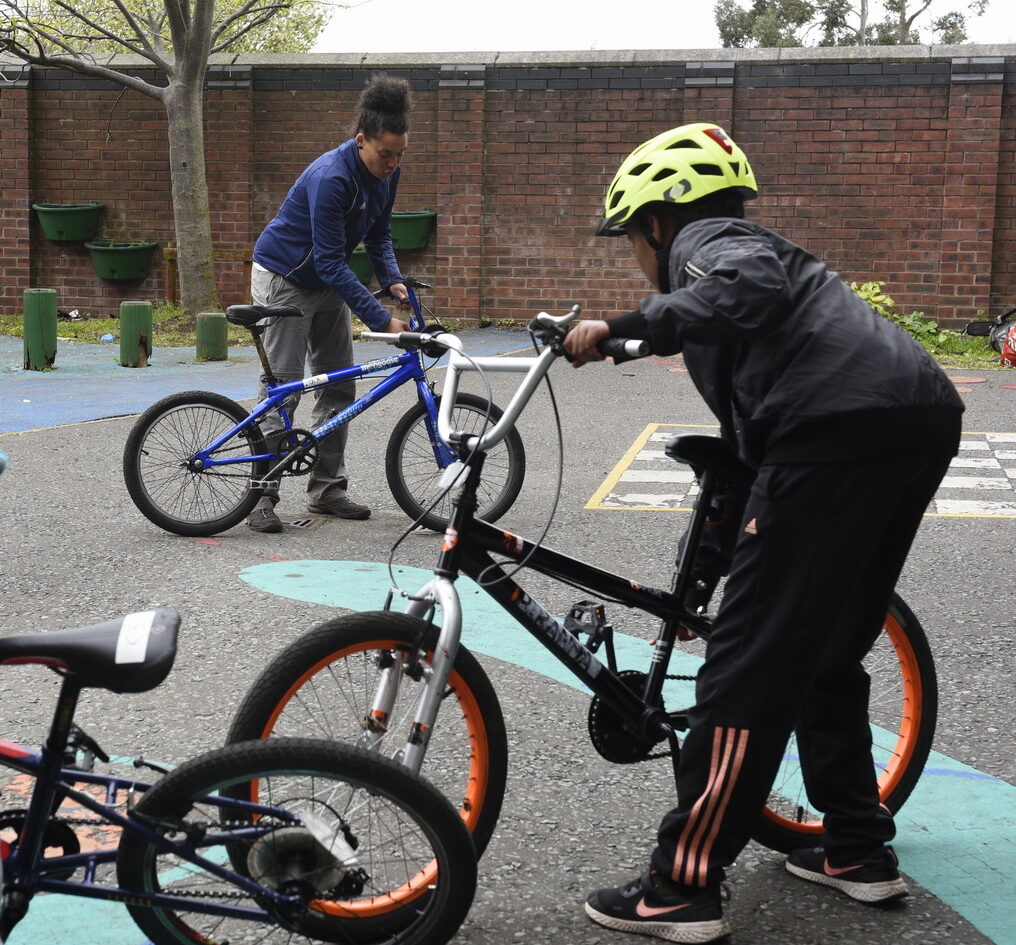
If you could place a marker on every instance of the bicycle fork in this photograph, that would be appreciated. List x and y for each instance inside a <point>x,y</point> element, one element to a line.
<point>440,591</point>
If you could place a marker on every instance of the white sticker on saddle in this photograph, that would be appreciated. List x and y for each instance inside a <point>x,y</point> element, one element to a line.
<point>132,643</point>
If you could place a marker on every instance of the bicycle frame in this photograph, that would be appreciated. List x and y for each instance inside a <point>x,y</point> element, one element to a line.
<point>467,548</point>
<point>409,366</point>
<point>25,870</point>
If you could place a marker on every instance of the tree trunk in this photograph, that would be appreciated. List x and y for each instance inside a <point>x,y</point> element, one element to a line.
<point>195,261</point>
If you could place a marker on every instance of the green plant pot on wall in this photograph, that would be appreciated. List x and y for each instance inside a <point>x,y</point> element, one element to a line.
<point>411,228</point>
<point>113,259</point>
<point>69,222</point>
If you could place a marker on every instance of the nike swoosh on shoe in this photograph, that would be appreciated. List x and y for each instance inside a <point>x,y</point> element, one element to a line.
<point>645,912</point>
<point>839,870</point>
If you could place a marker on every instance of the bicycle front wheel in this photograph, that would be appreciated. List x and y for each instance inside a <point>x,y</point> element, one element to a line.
<point>414,475</point>
<point>157,471</point>
<point>375,854</point>
<point>323,685</point>
<point>903,709</point>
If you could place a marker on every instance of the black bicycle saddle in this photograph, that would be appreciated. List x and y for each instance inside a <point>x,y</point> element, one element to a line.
<point>709,452</point>
<point>248,315</point>
<point>133,653</point>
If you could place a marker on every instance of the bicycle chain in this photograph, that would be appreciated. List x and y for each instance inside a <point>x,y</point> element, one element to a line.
<point>678,678</point>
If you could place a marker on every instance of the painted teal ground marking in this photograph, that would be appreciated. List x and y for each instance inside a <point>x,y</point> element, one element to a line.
<point>956,833</point>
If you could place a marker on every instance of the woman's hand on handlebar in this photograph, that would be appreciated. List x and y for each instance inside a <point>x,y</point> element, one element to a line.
<point>394,327</point>
<point>399,292</point>
<point>581,341</point>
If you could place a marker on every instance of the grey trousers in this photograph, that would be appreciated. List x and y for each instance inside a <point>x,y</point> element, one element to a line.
<point>324,339</point>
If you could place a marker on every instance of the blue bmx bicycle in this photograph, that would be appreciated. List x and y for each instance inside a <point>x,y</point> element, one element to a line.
<point>196,463</point>
<point>280,841</point>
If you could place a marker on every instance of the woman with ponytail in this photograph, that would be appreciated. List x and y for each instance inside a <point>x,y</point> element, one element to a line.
<point>343,198</point>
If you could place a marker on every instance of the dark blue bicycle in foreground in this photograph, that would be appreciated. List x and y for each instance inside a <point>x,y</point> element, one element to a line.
<point>196,462</point>
<point>279,841</point>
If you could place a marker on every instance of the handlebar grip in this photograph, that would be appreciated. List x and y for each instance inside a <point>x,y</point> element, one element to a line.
<point>623,349</point>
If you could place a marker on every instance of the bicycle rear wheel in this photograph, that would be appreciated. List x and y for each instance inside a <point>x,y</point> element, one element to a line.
<point>375,854</point>
<point>164,487</point>
<point>414,475</point>
<point>322,685</point>
<point>903,709</point>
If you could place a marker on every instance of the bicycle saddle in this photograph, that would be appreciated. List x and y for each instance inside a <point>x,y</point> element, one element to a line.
<point>709,452</point>
<point>133,653</point>
<point>248,315</point>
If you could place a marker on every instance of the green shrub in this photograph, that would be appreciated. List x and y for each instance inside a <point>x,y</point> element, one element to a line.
<point>949,347</point>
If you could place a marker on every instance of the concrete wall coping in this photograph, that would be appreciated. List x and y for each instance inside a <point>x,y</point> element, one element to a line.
<point>637,57</point>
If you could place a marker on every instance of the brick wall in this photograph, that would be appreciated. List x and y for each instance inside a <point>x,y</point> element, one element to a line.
<point>896,164</point>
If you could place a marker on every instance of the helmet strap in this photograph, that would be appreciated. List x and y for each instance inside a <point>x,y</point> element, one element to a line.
<point>663,274</point>
<point>662,254</point>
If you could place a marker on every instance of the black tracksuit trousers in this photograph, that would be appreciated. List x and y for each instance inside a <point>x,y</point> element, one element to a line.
<point>820,551</point>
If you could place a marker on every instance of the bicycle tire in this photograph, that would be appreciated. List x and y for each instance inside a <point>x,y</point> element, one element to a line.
<point>321,686</point>
<point>178,499</point>
<point>419,869</point>
<point>903,710</point>
<point>413,473</point>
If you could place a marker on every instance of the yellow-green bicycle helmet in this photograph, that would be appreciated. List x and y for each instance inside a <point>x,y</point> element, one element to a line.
<point>678,166</point>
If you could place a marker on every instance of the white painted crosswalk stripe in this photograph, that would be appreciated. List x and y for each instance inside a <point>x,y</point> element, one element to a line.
<point>981,481</point>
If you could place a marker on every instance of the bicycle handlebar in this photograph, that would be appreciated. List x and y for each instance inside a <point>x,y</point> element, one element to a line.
<point>623,349</point>
<point>550,329</point>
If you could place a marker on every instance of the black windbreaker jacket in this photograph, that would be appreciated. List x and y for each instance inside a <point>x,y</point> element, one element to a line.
<point>796,367</point>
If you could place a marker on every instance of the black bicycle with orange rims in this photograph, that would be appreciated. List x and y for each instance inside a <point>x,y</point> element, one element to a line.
<point>404,685</point>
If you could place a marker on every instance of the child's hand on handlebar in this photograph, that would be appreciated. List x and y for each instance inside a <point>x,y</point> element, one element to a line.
<point>581,341</point>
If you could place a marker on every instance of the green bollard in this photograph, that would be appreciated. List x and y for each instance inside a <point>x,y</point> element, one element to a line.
<point>40,329</point>
<point>212,337</point>
<point>135,333</point>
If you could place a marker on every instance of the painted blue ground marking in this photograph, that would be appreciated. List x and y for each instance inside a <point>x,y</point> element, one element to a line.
<point>89,384</point>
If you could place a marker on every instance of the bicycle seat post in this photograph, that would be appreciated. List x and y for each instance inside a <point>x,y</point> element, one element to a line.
<point>682,573</point>
<point>256,331</point>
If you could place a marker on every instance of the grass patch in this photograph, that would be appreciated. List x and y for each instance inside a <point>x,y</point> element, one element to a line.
<point>172,327</point>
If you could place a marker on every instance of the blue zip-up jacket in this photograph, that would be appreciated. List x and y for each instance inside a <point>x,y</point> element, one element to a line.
<point>335,204</point>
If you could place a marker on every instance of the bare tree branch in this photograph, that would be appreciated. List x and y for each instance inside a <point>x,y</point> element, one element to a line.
<point>141,48</point>
<point>250,7</point>
<point>260,17</point>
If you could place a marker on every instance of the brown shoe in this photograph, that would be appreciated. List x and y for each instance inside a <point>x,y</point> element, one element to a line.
<point>264,520</point>
<point>341,508</point>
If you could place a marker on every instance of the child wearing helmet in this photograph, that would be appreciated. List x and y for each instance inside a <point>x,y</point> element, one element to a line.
<point>851,427</point>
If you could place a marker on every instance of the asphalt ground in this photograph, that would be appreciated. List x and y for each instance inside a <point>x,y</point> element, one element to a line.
<point>74,550</point>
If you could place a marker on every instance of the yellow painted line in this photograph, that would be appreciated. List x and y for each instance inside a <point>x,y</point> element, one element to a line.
<point>614,476</point>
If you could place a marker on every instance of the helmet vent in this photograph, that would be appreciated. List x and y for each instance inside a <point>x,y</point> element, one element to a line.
<point>684,143</point>
<point>616,198</point>
<point>664,173</point>
<point>735,166</point>
<point>707,170</point>
<point>638,169</point>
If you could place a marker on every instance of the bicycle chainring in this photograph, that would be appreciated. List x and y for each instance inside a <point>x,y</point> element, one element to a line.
<point>612,737</point>
<point>58,839</point>
<point>304,440</point>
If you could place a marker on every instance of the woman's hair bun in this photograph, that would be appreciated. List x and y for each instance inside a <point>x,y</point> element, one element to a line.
<point>384,106</point>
